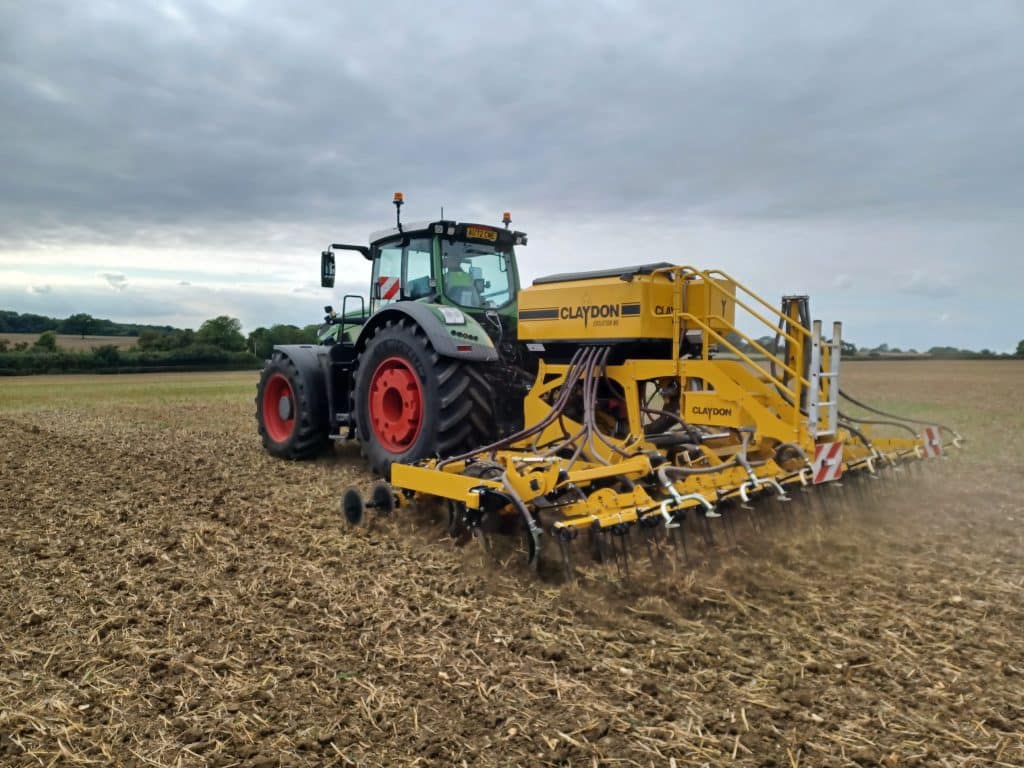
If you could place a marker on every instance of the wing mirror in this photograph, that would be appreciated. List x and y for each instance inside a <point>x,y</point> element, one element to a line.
<point>327,269</point>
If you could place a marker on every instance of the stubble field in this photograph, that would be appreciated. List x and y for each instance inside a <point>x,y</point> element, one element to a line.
<point>169,595</point>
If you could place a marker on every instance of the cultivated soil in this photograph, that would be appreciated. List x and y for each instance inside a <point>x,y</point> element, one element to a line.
<point>171,596</point>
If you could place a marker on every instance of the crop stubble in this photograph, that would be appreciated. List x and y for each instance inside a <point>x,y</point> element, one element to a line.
<point>171,596</point>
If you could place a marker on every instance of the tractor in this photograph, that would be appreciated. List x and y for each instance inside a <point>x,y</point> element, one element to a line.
<point>431,369</point>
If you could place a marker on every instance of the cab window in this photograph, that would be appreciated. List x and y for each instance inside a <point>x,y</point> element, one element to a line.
<point>475,275</point>
<point>401,272</point>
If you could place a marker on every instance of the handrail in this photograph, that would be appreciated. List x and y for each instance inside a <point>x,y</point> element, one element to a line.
<point>712,283</point>
<point>794,383</point>
<point>734,281</point>
<point>743,356</point>
<point>770,355</point>
<point>685,272</point>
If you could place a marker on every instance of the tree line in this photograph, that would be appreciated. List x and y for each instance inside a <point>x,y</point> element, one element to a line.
<point>884,351</point>
<point>218,345</point>
<point>80,324</point>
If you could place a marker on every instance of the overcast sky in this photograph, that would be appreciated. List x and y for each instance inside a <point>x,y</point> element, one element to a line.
<point>169,161</point>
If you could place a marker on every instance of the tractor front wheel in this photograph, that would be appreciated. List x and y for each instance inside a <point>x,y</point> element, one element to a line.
<point>413,404</point>
<point>288,423</point>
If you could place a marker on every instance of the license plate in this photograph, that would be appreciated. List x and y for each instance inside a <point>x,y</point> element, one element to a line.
<point>481,233</point>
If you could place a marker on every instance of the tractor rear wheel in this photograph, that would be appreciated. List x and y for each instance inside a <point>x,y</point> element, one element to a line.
<point>288,422</point>
<point>412,404</point>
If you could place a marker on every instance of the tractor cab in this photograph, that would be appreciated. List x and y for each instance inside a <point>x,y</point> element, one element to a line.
<point>471,267</point>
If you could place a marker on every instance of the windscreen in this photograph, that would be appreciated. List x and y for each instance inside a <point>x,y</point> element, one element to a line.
<point>476,275</point>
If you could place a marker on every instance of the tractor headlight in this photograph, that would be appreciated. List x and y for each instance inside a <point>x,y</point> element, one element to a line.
<point>452,316</point>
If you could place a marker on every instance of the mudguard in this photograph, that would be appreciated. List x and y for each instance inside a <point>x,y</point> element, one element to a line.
<point>464,340</point>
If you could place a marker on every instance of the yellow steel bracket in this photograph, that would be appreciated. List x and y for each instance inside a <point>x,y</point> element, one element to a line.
<point>443,483</point>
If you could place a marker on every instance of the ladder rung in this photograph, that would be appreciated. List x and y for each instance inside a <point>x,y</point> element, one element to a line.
<point>827,375</point>
<point>825,403</point>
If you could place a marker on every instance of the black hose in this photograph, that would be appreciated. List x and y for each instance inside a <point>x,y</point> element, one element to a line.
<point>896,424</point>
<point>563,398</point>
<point>878,412</point>
<point>858,434</point>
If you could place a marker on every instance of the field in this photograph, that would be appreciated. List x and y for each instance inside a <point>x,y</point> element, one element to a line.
<point>170,596</point>
<point>74,342</point>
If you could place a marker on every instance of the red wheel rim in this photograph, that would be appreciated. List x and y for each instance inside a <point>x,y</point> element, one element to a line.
<point>396,405</point>
<point>278,408</point>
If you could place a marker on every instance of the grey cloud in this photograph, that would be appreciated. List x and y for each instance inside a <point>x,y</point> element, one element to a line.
<point>231,126</point>
<point>39,289</point>
<point>929,284</point>
<point>133,118</point>
<point>115,280</point>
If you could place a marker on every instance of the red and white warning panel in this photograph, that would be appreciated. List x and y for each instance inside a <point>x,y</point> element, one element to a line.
<point>932,439</point>
<point>828,462</point>
<point>389,287</point>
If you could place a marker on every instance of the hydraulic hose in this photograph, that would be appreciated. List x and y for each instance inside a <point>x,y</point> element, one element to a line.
<point>879,422</point>
<point>579,358</point>
<point>878,412</point>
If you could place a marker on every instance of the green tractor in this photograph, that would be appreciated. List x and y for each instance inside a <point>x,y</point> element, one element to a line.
<point>420,373</point>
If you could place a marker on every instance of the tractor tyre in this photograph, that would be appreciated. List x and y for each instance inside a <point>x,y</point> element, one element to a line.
<point>290,424</point>
<point>411,403</point>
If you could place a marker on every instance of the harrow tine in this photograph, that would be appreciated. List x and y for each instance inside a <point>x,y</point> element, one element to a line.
<point>648,528</point>
<point>730,527</point>
<point>621,531</point>
<point>598,548</point>
<point>485,541</point>
<point>677,533</point>
<point>564,539</point>
<point>709,539</point>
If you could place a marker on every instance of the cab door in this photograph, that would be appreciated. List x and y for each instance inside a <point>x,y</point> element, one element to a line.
<point>401,271</point>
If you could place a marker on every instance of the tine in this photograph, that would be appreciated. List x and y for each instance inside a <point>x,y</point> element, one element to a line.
<point>709,539</point>
<point>563,546</point>
<point>677,535</point>
<point>485,541</point>
<point>625,556</point>
<point>615,552</point>
<point>455,520</point>
<point>533,535</point>
<point>730,528</point>
<point>649,544</point>
<point>804,496</point>
<point>823,502</point>
<point>752,518</point>
<point>602,542</point>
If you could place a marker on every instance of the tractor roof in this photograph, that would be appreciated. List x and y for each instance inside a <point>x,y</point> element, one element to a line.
<point>454,229</point>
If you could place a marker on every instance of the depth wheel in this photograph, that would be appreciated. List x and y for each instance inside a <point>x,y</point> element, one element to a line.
<point>413,404</point>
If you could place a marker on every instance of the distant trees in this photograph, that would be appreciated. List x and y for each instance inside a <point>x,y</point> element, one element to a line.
<point>107,354</point>
<point>223,332</point>
<point>1020,349</point>
<point>81,324</point>
<point>47,342</point>
<point>165,342</point>
<point>217,345</point>
<point>14,322</point>
<point>262,341</point>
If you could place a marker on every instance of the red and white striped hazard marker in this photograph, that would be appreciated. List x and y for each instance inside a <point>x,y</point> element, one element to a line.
<point>932,439</point>
<point>388,287</point>
<point>828,462</point>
